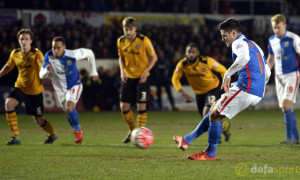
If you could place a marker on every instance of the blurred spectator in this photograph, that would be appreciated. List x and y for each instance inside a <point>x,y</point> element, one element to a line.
<point>161,78</point>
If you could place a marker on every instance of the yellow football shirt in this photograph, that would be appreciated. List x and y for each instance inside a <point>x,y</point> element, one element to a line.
<point>136,54</point>
<point>29,66</point>
<point>199,74</point>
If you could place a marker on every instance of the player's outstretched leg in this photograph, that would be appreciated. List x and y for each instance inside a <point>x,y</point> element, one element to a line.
<point>226,132</point>
<point>128,117</point>
<point>201,128</point>
<point>214,133</point>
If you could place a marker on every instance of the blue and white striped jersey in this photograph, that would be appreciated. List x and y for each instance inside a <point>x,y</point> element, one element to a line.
<point>250,64</point>
<point>285,51</point>
<point>64,71</point>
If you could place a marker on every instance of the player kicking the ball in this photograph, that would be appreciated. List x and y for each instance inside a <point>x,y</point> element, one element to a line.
<point>61,63</point>
<point>253,74</point>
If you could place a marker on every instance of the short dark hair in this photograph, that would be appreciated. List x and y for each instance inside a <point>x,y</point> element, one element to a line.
<point>59,38</point>
<point>25,31</point>
<point>229,24</point>
<point>193,45</point>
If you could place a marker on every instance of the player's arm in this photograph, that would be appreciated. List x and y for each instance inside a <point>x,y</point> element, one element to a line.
<point>241,49</point>
<point>296,45</point>
<point>8,66</point>
<point>177,74</point>
<point>270,59</point>
<point>122,67</point>
<point>45,67</point>
<point>5,70</point>
<point>84,53</point>
<point>152,59</point>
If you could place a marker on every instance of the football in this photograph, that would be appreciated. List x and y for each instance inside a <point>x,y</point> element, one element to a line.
<point>142,137</point>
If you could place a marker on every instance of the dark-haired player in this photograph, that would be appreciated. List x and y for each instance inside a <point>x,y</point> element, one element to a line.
<point>253,74</point>
<point>199,71</point>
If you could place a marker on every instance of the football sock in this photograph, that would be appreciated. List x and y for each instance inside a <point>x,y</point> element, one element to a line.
<point>70,120</point>
<point>288,117</point>
<point>200,129</point>
<point>128,117</point>
<point>74,118</point>
<point>12,120</point>
<point>141,118</point>
<point>214,133</point>
<point>48,128</point>
<point>295,129</point>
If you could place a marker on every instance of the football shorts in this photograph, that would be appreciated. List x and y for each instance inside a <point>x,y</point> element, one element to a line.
<point>33,103</point>
<point>133,91</point>
<point>72,94</point>
<point>235,101</point>
<point>287,86</point>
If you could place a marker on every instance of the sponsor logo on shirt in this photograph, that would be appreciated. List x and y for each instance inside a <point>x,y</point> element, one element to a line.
<point>69,62</point>
<point>286,44</point>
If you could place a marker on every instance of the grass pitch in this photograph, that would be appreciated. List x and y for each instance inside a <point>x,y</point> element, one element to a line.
<point>252,153</point>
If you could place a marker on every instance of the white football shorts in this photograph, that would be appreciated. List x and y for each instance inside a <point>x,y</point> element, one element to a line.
<point>72,94</point>
<point>235,101</point>
<point>287,86</point>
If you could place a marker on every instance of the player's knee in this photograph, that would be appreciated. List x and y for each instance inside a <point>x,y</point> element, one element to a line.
<point>10,104</point>
<point>69,109</point>
<point>286,105</point>
<point>215,116</point>
<point>124,107</point>
<point>40,120</point>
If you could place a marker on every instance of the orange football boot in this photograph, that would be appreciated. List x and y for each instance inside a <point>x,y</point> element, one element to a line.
<point>201,156</point>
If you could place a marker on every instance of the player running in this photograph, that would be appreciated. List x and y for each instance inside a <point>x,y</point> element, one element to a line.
<point>28,87</point>
<point>61,63</point>
<point>199,71</point>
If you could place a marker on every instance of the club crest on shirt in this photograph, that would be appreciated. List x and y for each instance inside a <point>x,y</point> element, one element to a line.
<point>138,46</point>
<point>69,62</point>
<point>286,44</point>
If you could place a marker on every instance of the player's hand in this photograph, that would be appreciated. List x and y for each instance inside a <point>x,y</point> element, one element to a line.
<point>144,77</point>
<point>186,97</point>
<point>226,83</point>
<point>95,78</point>
<point>48,67</point>
<point>123,77</point>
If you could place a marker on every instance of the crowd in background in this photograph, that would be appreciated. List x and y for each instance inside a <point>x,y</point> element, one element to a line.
<point>160,6</point>
<point>169,41</point>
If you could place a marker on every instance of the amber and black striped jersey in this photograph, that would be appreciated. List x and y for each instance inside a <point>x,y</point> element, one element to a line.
<point>29,67</point>
<point>136,54</point>
<point>199,74</point>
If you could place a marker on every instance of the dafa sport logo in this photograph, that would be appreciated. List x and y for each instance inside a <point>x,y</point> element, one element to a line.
<point>243,169</point>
